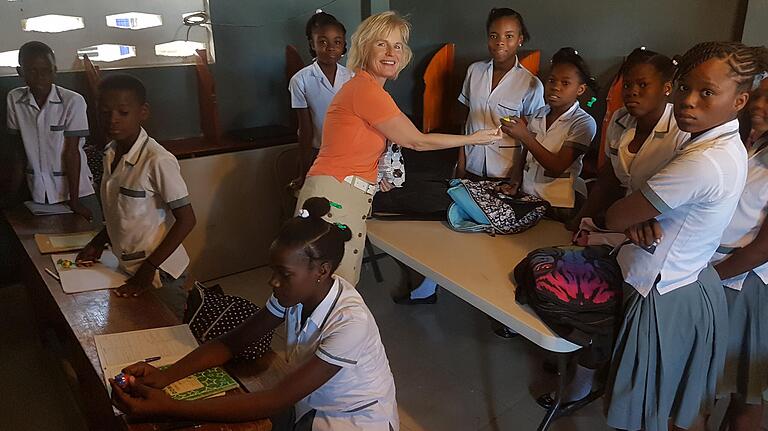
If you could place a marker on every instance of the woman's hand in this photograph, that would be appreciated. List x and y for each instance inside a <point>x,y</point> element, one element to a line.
<point>140,400</point>
<point>147,375</point>
<point>385,186</point>
<point>645,234</point>
<point>485,136</point>
<point>515,127</point>
<point>509,189</point>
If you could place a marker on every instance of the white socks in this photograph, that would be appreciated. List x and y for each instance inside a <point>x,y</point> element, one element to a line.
<point>427,288</point>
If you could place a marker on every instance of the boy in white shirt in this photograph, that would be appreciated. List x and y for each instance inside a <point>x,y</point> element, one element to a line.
<point>146,204</point>
<point>51,123</point>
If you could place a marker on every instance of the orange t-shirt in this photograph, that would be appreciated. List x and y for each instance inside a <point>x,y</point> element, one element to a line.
<point>351,145</point>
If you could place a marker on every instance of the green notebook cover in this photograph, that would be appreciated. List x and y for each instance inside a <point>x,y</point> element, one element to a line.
<point>202,384</point>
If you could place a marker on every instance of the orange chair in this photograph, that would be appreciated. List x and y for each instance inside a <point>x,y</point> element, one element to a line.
<point>531,60</point>
<point>438,99</point>
<point>613,102</point>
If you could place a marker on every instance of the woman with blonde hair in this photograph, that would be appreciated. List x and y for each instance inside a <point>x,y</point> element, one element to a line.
<point>359,121</point>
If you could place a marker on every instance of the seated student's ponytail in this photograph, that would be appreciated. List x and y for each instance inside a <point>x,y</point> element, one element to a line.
<point>570,56</point>
<point>320,241</point>
<point>663,64</point>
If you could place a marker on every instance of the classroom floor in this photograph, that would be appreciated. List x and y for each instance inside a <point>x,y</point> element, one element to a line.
<point>451,371</point>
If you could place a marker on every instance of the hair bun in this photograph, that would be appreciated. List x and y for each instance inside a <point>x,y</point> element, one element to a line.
<point>317,207</point>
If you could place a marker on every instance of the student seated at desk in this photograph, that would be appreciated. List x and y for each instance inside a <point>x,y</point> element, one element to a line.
<point>51,124</point>
<point>341,378</point>
<point>146,203</point>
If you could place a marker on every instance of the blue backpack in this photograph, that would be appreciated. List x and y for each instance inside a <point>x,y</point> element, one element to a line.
<point>477,207</point>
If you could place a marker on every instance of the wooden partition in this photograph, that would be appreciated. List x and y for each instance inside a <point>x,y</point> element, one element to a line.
<point>206,98</point>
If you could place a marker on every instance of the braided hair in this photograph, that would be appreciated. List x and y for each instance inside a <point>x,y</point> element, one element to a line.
<point>319,240</point>
<point>570,56</point>
<point>748,63</point>
<point>663,64</point>
<point>318,21</point>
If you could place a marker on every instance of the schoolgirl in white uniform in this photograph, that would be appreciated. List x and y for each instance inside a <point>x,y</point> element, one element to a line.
<point>494,89</point>
<point>670,351</point>
<point>557,136</point>
<point>742,263</point>
<point>313,87</point>
<point>340,381</point>
<point>642,136</point>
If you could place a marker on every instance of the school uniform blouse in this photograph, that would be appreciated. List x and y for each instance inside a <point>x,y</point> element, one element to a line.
<point>310,88</point>
<point>696,194</point>
<point>634,169</point>
<point>43,132</point>
<point>342,331</point>
<point>518,94</point>
<point>351,143</point>
<point>575,128</point>
<point>750,214</point>
<point>137,198</point>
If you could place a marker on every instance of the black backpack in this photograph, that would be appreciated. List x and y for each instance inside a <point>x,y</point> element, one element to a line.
<point>575,290</point>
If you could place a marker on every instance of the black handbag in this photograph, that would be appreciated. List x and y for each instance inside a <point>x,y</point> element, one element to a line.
<point>211,313</point>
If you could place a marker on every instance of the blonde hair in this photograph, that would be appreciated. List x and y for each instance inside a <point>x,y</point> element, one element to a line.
<point>371,30</point>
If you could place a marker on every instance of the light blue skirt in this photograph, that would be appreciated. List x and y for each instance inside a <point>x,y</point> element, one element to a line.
<point>669,356</point>
<point>746,364</point>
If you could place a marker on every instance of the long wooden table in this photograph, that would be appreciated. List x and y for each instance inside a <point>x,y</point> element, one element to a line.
<point>76,318</point>
<point>477,268</point>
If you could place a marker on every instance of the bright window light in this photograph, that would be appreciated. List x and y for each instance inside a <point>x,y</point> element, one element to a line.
<point>134,20</point>
<point>52,23</point>
<point>9,58</point>
<point>178,48</point>
<point>107,52</point>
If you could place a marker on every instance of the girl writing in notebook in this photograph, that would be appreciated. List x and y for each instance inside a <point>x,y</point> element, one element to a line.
<point>341,378</point>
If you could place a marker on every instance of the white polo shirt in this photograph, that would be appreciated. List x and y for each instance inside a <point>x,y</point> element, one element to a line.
<point>518,94</point>
<point>137,198</point>
<point>43,132</point>
<point>696,194</point>
<point>749,215</point>
<point>634,169</point>
<point>574,128</point>
<point>342,331</point>
<point>310,88</point>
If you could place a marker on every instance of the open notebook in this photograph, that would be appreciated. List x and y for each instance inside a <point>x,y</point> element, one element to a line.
<point>171,343</point>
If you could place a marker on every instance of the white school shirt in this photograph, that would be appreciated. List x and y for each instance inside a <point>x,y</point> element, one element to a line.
<point>342,331</point>
<point>749,215</point>
<point>574,128</point>
<point>310,88</point>
<point>137,199</point>
<point>634,169</point>
<point>42,132</point>
<point>696,194</point>
<point>518,94</point>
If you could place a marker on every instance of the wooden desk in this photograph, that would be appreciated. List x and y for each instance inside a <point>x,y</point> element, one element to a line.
<point>76,318</point>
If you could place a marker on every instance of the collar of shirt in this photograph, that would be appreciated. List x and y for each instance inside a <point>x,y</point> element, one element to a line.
<point>567,115</point>
<point>133,155</point>
<point>53,97</point>
<point>662,127</point>
<point>721,131</point>
<point>320,315</point>
<point>489,72</point>
<point>317,72</point>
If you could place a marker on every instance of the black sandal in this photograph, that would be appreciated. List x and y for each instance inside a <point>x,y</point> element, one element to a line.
<point>565,409</point>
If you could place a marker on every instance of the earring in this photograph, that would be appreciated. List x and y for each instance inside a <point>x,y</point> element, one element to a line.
<point>667,93</point>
